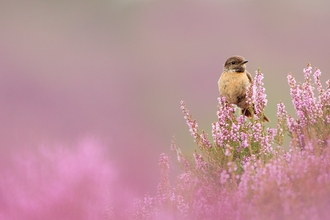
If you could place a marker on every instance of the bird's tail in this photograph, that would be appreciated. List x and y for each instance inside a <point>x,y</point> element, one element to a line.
<point>249,112</point>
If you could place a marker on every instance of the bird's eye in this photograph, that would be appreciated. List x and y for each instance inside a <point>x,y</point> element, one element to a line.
<point>233,62</point>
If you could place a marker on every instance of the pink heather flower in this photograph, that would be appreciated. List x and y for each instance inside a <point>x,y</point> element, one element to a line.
<point>259,95</point>
<point>267,140</point>
<point>223,136</point>
<point>214,131</point>
<point>241,120</point>
<point>317,74</point>
<point>256,132</point>
<point>224,176</point>
<point>216,134</point>
<point>200,163</point>
<point>301,138</point>
<point>328,119</point>
<point>182,206</point>
<point>225,111</point>
<point>325,97</point>
<point>192,124</point>
<point>308,108</point>
<point>226,128</point>
<point>282,116</point>
<point>308,96</point>
<point>328,84</point>
<point>307,71</point>
<point>148,200</point>
<point>250,95</point>
<point>281,112</point>
<point>232,167</point>
<point>163,189</point>
<point>234,132</point>
<point>296,95</point>
<point>184,162</point>
<point>321,100</point>
<point>58,183</point>
<point>204,140</point>
<point>173,146</point>
<point>244,140</point>
<point>180,158</point>
<point>228,150</point>
<point>292,124</point>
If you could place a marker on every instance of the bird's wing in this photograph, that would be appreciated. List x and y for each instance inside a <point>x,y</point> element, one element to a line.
<point>249,76</point>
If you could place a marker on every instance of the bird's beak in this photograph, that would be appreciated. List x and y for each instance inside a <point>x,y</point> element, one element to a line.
<point>244,62</point>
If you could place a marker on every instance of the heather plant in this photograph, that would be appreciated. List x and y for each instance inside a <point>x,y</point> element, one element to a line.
<point>243,171</point>
<point>58,183</point>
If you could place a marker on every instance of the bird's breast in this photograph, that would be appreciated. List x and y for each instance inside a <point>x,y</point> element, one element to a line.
<point>233,85</point>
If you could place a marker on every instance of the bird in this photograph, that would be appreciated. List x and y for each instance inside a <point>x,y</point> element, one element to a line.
<point>234,82</point>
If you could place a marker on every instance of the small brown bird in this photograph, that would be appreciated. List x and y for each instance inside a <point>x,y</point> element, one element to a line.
<point>234,82</point>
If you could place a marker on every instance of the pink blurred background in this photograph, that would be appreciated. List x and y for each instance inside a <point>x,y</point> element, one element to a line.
<point>117,70</point>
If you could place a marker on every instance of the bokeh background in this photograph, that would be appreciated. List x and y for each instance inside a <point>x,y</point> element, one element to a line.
<point>116,70</point>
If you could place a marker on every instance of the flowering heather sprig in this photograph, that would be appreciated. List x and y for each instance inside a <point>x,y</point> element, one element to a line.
<point>228,150</point>
<point>200,163</point>
<point>244,140</point>
<point>296,99</point>
<point>225,111</point>
<point>144,208</point>
<point>267,140</point>
<point>257,132</point>
<point>249,94</point>
<point>220,129</point>
<point>190,122</point>
<point>325,98</point>
<point>163,189</point>
<point>309,97</point>
<point>317,81</point>
<point>282,116</point>
<point>259,95</point>
<point>311,110</point>
<point>179,156</point>
<point>307,107</point>
<point>204,140</point>
<point>224,177</point>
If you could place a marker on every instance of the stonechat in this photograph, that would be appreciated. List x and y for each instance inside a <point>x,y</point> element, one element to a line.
<point>234,82</point>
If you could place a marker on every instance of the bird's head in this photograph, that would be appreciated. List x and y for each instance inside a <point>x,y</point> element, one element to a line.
<point>235,64</point>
